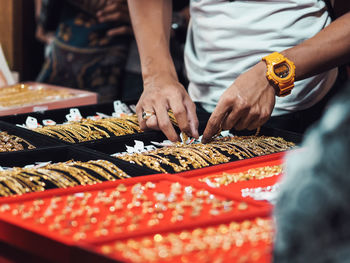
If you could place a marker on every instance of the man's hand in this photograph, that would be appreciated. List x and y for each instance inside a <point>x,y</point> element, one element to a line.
<point>161,93</point>
<point>116,11</point>
<point>246,104</point>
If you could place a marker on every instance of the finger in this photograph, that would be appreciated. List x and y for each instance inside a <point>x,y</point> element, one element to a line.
<point>123,30</point>
<point>214,122</point>
<point>248,118</point>
<point>139,111</point>
<point>152,123</point>
<point>180,113</point>
<point>192,117</point>
<point>263,118</point>
<point>241,123</point>
<point>232,117</point>
<point>165,124</point>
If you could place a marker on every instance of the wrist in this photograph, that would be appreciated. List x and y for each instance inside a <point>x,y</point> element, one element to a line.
<point>261,70</point>
<point>159,79</point>
<point>280,73</point>
<point>154,69</point>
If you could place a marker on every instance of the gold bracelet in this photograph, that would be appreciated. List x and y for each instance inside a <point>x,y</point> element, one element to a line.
<point>253,173</point>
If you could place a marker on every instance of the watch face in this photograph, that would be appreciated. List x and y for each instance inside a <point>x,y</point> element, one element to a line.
<point>281,70</point>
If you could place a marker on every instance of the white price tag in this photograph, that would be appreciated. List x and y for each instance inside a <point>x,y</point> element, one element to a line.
<point>49,122</point>
<point>121,108</point>
<point>75,113</point>
<point>22,126</point>
<point>102,115</point>
<point>125,109</point>
<point>163,143</point>
<point>133,108</point>
<point>225,133</point>
<point>71,117</point>
<point>117,105</point>
<point>32,123</point>
<point>94,118</point>
<point>130,149</point>
<point>41,164</point>
<point>150,147</point>
<point>139,146</point>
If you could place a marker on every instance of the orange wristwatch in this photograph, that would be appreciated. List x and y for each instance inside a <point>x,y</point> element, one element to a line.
<point>280,73</point>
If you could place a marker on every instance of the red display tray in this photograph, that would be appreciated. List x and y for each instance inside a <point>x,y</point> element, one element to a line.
<point>39,236</point>
<point>237,167</point>
<point>78,98</point>
<point>257,248</point>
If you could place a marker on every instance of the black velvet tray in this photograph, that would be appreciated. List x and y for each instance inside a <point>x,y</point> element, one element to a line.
<point>36,139</point>
<point>118,144</point>
<point>66,153</point>
<point>59,115</point>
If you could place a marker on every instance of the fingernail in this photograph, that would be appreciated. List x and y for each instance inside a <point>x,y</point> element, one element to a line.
<point>194,131</point>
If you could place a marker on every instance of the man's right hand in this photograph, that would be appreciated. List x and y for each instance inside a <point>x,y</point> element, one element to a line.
<point>162,93</point>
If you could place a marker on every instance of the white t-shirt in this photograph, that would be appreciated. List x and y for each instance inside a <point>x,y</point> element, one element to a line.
<point>227,38</point>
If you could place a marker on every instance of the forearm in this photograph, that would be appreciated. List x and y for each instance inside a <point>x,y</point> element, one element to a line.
<point>327,49</point>
<point>37,8</point>
<point>151,22</point>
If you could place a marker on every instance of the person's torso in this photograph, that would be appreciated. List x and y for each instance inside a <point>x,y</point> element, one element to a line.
<point>226,38</point>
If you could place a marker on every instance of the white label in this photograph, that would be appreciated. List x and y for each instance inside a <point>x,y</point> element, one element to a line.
<point>49,122</point>
<point>71,117</point>
<point>163,143</point>
<point>22,126</point>
<point>32,123</point>
<point>225,133</point>
<point>139,146</point>
<point>133,108</point>
<point>94,118</point>
<point>117,105</point>
<point>102,115</point>
<point>75,113</point>
<point>41,164</point>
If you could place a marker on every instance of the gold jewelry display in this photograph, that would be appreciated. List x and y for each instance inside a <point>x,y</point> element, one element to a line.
<point>11,143</point>
<point>66,174</point>
<point>182,157</point>
<point>20,95</point>
<point>123,208</point>
<point>246,242</point>
<point>87,130</point>
<point>255,173</point>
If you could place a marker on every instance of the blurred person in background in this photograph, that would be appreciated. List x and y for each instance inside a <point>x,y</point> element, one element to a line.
<point>90,46</point>
<point>87,44</point>
<point>312,212</point>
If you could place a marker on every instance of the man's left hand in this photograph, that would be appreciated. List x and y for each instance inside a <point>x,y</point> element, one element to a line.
<point>246,104</point>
